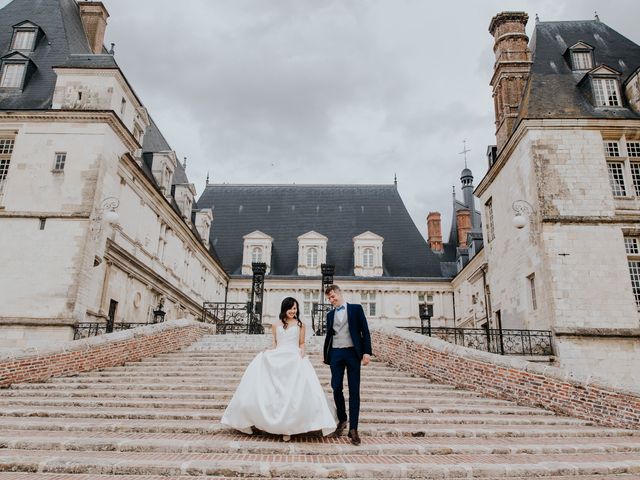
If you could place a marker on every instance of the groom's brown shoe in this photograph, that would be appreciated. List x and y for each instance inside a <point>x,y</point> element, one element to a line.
<point>339,431</point>
<point>353,435</point>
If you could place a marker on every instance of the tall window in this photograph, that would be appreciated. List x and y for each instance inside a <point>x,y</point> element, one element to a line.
<point>162,241</point>
<point>582,60</point>
<point>368,302</point>
<point>426,299</point>
<point>633,257</point>
<point>490,230</point>
<point>615,169</point>
<point>59,161</point>
<point>12,75</point>
<point>310,297</point>
<point>6,149</point>
<point>633,150</point>
<point>24,40</point>
<point>367,257</point>
<point>531,279</point>
<point>312,257</point>
<point>256,255</point>
<point>606,92</point>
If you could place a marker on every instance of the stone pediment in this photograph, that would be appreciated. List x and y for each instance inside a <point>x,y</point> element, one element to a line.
<point>603,70</point>
<point>368,236</point>
<point>257,235</point>
<point>580,46</point>
<point>312,235</point>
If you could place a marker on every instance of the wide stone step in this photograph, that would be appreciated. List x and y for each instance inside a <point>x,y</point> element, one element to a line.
<point>169,404</point>
<point>369,415</point>
<point>424,429</point>
<point>73,476</point>
<point>305,466</point>
<point>305,445</point>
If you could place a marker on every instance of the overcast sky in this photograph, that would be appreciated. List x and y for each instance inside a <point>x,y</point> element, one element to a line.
<point>327,91</point>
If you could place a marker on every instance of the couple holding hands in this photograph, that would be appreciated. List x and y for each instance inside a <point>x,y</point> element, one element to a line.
<point>280,392</point>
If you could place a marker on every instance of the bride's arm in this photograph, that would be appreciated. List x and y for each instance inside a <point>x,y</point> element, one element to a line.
<point>273,333</point>
<point>301,341</point>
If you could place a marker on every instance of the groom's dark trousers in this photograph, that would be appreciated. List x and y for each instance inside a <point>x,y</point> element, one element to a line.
<point>341,359</point>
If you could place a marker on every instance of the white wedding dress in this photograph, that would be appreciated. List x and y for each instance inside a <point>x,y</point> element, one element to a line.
<point>280,392</point>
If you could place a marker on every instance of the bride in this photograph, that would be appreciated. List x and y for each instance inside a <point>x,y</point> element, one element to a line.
<point>280,392</point>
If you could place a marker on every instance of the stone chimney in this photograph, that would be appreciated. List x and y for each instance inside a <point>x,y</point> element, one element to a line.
<point>511,70</point>
<point>434,230</point>
<point>463,219</point>
<point>94,19</point>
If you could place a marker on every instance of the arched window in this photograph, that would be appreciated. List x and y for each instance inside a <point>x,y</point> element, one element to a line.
<point>367,258</point>
<point>312,257</point>
<point>256,255</point>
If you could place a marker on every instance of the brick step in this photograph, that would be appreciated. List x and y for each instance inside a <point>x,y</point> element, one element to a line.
<point>306,466</point>
<point>309,445</point>
<point>366,406</point>
<point>368,371</point>
<point>214,415</point>
<point>72,476</point>
<point>424,429</point>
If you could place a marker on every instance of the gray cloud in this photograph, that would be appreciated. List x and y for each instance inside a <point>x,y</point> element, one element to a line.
<point>319,91</point>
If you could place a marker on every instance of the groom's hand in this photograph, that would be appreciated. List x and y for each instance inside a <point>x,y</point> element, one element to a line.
<point>366,358</point>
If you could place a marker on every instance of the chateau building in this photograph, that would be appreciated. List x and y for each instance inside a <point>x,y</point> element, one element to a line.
<point>96,217</point>
<point>561,197</point>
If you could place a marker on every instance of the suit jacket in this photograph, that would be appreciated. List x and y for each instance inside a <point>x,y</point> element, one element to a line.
<point>358,328</point>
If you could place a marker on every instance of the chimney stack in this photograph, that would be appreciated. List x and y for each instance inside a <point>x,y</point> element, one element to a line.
<point>511,70</point>
<point>463,218</point>
<point>434,230</point>
<point>94,19</point>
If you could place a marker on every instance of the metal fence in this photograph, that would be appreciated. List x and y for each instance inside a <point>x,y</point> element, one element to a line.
<point>84,330</point>
<point>232,317</point>
<point>503,342</point>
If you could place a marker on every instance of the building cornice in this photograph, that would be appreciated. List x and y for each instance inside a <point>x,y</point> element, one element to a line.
<point>608,127</point>
<point>108,117</point>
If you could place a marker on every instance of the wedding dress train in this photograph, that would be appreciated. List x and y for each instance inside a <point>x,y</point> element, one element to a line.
<point>280,392</point>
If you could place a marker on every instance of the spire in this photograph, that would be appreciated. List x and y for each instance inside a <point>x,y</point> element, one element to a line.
<point>184,164</point>
<point>537,18</point>
<point>207,184</point>
<point>395,180</point>
<point>597,16</point>
<point>464,152</point>
<point>112,51</point>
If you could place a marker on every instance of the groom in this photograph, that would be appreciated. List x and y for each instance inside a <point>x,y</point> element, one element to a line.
<point>347,345</point>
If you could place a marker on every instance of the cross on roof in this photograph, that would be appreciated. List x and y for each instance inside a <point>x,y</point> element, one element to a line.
<point>464,152</point>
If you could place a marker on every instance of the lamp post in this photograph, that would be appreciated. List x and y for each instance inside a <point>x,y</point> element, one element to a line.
<point>425,316</point>
<point>327,271</point>
<point>158,313</point>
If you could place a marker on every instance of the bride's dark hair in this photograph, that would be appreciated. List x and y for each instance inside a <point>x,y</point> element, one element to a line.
<point>287,304</point>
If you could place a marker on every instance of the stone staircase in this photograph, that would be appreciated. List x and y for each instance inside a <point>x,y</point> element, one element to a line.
<point>159,419</point>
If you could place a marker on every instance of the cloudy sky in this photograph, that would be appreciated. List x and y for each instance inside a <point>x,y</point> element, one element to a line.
<point>327,91</point>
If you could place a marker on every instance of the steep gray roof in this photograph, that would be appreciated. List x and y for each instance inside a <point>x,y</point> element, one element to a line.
<point>63,36</point>
<point>553,89</point>
<point>339,212</point>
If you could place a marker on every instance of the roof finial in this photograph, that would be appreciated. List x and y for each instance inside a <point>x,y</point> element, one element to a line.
<point>597,16</point>
<point>453,188</point>
<point>207,184</point>
<point>113,50</point>
<point>537,18</point>
<point>184,164</point>
<point>395,179</point>
<point>464,152</point>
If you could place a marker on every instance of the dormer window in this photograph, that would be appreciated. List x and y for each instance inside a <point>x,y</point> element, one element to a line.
<point>367,255</point>
<point>24,40</point>
<point>605,86</point>
<point>312,257</point>
<point>25,37</point>
<point>12,75</point>
<point>367,258</point>
<point>256,255</point>
<point>257,249</point>
<point>606,92</point>
<point>581,55</point>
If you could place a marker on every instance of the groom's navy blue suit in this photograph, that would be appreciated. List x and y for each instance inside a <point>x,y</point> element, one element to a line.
<point>349,358</point>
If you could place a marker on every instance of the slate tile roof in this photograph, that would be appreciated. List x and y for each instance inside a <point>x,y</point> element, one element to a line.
<point>340,212</point>
<point>553,90</point>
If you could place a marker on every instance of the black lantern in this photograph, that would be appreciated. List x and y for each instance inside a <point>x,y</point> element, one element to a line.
<point>327,275</point>
<point>425,316</point>
<point>158,313</point>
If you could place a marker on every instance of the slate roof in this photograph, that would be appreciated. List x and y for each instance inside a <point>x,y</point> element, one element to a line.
<point>553,91</point>
<point>63,36</point>
<point>340,212</point>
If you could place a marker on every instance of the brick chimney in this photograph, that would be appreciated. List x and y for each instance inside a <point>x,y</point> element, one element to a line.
<point>434,230</point>
<point>511,70</point>
<point>463,218</point>
<point>94,19</point>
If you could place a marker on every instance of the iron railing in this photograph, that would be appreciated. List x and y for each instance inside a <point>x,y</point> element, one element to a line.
<point>91,329</point>
<point>232,317</point>
<point>503,342</point>
<point>319,317</point>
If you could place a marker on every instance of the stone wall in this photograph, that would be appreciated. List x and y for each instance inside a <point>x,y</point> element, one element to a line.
<point>71,358</point>
<point>514,379</point>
